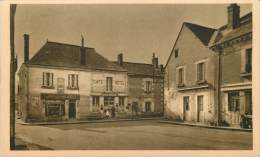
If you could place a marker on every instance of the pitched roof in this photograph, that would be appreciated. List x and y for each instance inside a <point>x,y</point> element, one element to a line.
<point>67,55</point>
<point>141,69</point>
<point>222,34</point>
<point>203,33</point>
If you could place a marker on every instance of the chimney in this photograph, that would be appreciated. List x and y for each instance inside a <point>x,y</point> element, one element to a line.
<point>155,61</point>
<point>162,68</point>
<point>233,16</point>
<point>82,52</point>
<point>120,59</point>
<point>26,48</point>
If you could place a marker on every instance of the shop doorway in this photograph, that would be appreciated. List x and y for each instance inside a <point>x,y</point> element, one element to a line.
<point>72,109</point>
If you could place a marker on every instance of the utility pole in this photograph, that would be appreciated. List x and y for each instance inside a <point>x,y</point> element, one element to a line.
<point>13,67</point>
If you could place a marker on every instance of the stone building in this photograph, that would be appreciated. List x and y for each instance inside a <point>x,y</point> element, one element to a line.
<point>208,73</point>
<point>233,42</point>
<point>145,82</point>
<point>63,81</point>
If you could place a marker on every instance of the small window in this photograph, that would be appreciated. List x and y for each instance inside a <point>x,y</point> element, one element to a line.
<point>47,79</point>
<point>233,101</point>
<point>176,53</point>
<point>109,84</point>
<point>148,106</point>
<point>200,103</point>
<point>73,81</point>
<point>148,86</point>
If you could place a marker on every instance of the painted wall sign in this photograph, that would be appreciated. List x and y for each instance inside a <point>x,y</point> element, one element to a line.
<point>59,96</point>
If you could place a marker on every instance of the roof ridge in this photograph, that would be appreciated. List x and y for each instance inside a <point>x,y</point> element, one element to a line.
<point>60,43</point>
<point>135,63</point>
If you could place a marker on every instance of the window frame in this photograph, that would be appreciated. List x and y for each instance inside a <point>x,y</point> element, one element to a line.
<point>47,80</point>
<point>109,84</point>
<point>236,99</point>
<point>73,81</point>
<point>200,102</point>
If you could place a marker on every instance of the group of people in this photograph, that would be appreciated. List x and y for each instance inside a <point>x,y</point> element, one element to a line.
<point>108,113</point>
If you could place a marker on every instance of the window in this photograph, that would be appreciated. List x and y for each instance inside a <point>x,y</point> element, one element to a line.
<point>109,85</point>
<point>54,109</point>
<point>186,103</point>
<point>148,86</point>
<point>176,53</point>
<point>249,60</point>
<point>73,81</point>
<point>180,77</point>
<point>121,101</point>
<point>47,79</point>
<point>200,103</point>
<point>248,104</point>
<point>95,101</point>
<point>108,101</point>
<point>233,101</point>
<point>148,106</point>
<point>201,72</point>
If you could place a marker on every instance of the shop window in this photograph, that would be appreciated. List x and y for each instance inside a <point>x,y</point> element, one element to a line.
<point>109,101</point>
<point>200,72</point>
<point>47,80</point>
<point>200,102</point>
<point>55,110</point>
<point>95,101</point>
<point>248,106</point>
<point>121,101</point>
<point>233,101</point>
<point>109,84</point>
<point>72,81</point>
<point>186,103</point>
<point>148,106</point>
<point>148,86</point>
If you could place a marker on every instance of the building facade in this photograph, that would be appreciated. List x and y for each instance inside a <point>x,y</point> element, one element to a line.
<point>208,73</point>
<point>233,42</point>
<point>146,86</point>
<point>63,82</point>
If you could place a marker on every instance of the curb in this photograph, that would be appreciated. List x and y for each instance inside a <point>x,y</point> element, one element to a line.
<point>205,126</point>
<point>88,121</point>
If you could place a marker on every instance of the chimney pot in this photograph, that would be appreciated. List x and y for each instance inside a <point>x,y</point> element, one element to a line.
<point>26,48</point>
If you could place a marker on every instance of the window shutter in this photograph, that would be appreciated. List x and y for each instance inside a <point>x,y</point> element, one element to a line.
<point>51,79</point>
<point>77,81</point>
<point>43,81</point>
<point>243,61</point>
<point>69,80</point>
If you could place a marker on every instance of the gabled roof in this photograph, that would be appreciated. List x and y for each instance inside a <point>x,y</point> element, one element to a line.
<point>141,69</point>
<point>203,33</point>
<point>67,55</point>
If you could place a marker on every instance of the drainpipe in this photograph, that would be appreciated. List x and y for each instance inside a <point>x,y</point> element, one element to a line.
<point>219,115</point>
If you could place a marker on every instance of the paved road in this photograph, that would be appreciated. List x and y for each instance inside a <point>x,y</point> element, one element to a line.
<point>133,135</point>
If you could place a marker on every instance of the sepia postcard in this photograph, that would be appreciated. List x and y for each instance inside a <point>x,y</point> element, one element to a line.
<point>132,78</point>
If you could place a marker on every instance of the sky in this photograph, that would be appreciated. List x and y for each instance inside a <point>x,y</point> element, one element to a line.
<point>136,30</point>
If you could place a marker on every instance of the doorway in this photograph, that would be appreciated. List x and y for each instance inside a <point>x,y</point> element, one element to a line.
<point>72,109</point>
<point>186,107</point>
<point>200,108</point>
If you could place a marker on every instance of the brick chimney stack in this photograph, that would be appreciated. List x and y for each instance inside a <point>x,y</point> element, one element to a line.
<point>26,48</point>
<point>233,16</point>
<point>155,61</point>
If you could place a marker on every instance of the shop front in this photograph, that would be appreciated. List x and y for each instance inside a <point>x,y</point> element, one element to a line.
<point>60,107</point>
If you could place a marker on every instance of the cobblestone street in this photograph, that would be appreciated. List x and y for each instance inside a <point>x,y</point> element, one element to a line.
<point>131,135</point>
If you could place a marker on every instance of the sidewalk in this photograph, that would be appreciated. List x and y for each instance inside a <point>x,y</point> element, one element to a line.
<point>18,121</point>
<point>205,126</point>
<point>21,144</point>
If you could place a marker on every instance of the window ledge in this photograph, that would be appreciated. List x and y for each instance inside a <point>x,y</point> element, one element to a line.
<point>201,82</point>
<point>246,74</point>
<point>48,87</point>
<point>73,88</point>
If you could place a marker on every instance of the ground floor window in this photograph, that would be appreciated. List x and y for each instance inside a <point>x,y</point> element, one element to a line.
<point>121,101</point>
<point>95,101</point>
<point>148,106</point>
<point>186,103</point>
<point>200,103</point>
<point>109,101</point>
<point>233,101</point>
<point>55,109</point>
<point>248,106</point>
